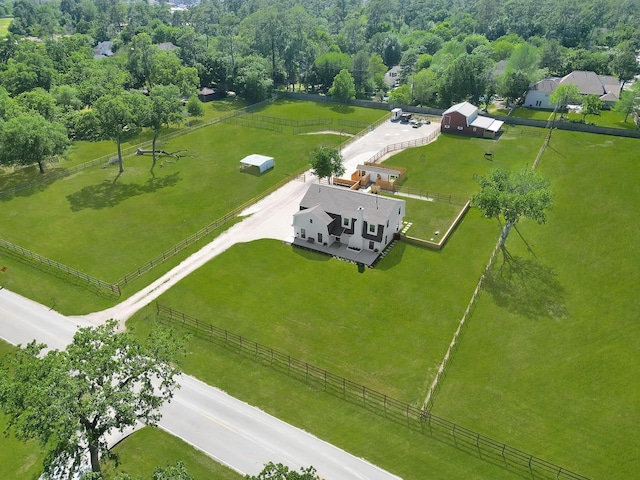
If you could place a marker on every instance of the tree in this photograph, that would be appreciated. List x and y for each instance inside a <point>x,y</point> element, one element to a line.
<point>70,400</point>
<point>343,87</point>
<point>253,81</point>
<point>625,64</point>
<point>121,115</point>
<point>565,94</point>
<point>141,59</point>
<point>328,65</point>
<point>425,85</point>
<point>591,105</point>
<point>513,196</point>
<point>326,162</point>
<point>629,101</point>
<point>195,107</point>
<point>28,139</point>
<point>165,108</point>
<point>272,471</point>
<point>400,95</point>
<point>512,85</point>
<point>465,78</point>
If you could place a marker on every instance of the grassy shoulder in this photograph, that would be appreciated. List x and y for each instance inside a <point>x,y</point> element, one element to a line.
<point>143,451</point>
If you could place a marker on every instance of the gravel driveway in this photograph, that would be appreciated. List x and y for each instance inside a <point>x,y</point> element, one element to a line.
<point>271,217</point>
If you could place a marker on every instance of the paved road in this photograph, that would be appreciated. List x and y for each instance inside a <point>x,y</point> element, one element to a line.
<point>233,432</point>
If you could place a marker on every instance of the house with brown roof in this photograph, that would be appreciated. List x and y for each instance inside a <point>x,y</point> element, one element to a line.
<point>462,118</point>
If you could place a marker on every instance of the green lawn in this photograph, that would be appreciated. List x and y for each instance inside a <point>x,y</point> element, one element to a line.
<point>425,294</point>
<point>548,363</point>
<point>101,223</point>
<point>607,118</point>
<point>148,448</point>
<point>549,359</point>
<point>428,217</point>
<point>4,25</point>
<point>452,163</point>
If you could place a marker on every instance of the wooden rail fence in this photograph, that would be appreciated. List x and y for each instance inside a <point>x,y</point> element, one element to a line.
<point>34,257</point>
<point>416,419</point>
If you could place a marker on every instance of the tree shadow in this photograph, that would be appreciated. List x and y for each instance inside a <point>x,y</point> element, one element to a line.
<point>526,287</point>
<point>342,108</point>
<point>27,181</point>
<point>110,193</point>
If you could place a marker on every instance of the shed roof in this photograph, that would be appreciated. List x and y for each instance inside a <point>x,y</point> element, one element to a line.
<point>255,160</point>
<point>376,170</point>
<point>464,108</point>
<point>487,123</point>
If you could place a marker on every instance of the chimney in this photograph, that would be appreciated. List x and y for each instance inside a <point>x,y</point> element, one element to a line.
<point>356,241</point>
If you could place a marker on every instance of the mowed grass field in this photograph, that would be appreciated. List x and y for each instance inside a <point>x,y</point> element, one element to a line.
<point>549,361</point>
<point>107,225</point>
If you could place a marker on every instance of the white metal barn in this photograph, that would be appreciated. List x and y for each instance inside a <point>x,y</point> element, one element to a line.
<point>262,162</point>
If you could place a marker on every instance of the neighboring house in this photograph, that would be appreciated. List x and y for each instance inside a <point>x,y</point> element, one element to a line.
<point>209,94</point>
<point>167,46</point>
<point>538,94</point>
<point>392,77</point>
<point>606,87</point>
<point>345,223</point>
<point>463,118</point>
<point>103,49</point>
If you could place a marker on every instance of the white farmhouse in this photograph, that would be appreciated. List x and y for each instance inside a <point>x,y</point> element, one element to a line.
<point>346,223</point>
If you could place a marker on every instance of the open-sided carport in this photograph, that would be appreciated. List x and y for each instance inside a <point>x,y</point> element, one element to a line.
<point>263,162</point>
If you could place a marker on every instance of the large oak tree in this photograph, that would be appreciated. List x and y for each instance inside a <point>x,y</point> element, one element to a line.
<point>70,400</point>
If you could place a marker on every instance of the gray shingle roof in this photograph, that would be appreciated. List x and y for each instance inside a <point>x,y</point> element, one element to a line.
<point>344,202</point>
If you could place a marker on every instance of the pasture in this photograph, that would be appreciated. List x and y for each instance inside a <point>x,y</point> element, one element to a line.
<point>106,225</point>
<point>547,363</point>
<point>542,366</point>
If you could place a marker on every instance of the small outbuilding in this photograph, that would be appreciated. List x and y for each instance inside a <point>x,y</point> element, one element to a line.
<point>261,162</point>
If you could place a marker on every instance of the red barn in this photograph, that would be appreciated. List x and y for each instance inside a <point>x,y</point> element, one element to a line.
<point>463,118</point>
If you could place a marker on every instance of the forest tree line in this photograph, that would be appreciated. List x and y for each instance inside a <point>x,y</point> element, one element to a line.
<point>448,50</point>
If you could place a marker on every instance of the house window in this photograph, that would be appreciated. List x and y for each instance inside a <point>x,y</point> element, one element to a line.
<point>447,126</point>
<point>319,238</point>
<point>311,220</point>
<point>372,228</point>
<point>474,129</point>
<point>459,128</point>
<point>345,222</point>
<point>303,233</point>
<point>387,223</point>
<point>398,211</point>
<point>371,245</point>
